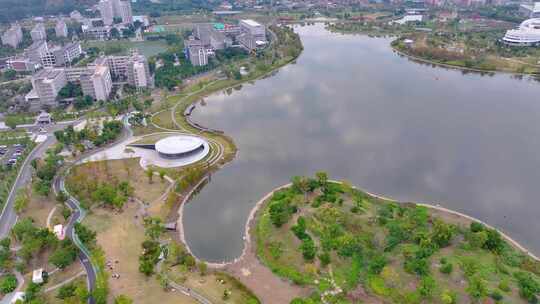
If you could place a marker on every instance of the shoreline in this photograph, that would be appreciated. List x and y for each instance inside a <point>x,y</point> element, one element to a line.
<point>252,214</point>
<point>252,220</point>
<point>457,67</point>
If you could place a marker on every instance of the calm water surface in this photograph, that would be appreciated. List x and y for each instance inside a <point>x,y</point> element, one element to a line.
<point>352,107</point>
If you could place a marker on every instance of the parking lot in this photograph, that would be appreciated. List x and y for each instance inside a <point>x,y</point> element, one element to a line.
<point>11,154</point>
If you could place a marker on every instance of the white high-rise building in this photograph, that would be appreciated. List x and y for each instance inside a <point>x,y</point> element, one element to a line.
<point>39,33</point>
<point>47,83</point>
<point>97,81</point>
<point>13,36</point>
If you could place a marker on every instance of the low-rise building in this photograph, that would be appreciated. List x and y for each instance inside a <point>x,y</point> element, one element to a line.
<point>22,64</point>
<point>38,33</point>
<point>13,36</point>
<point>37,276</point>
<point>97,32</point>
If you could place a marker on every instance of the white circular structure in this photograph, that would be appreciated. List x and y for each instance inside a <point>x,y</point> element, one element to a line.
<point>181,146</point>
<point>528,33</point>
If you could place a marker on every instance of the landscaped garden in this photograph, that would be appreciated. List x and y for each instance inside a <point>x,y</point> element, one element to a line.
<point>348,247</point>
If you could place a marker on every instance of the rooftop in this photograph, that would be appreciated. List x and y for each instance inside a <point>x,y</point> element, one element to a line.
<point>251,22</point>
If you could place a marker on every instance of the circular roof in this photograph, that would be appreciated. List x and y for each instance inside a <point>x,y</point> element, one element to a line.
<point>179,144</point>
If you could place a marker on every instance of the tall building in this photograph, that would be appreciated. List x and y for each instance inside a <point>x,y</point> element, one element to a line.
<point>106,11</point>
<point>47,83</point>
<point>13,36</point>
<point>61,55</point>
<point>132,68</point>
<point>110,9</point>
<point>61,29</point>
<point>36,51</point>
<point>125,12</point>
<point>38,33</point>
<point>139,72</point>
<point>198,55</point>
<point>253,34</point>
<point>97,82</point>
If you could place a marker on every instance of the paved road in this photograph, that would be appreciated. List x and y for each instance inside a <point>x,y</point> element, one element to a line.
<point>8,218</point>
<point>77,216</point>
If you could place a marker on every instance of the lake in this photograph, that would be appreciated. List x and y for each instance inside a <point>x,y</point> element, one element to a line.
<point>352,107</point>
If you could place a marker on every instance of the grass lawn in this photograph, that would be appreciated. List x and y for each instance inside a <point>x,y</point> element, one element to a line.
<point>120,236</point>
<point>121,170</point>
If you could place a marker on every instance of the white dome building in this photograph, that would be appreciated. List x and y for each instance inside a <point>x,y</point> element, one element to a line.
<point>179,146</point>
<point>528,34</point>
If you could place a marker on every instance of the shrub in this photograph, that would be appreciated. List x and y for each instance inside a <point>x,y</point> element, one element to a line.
<point>476,227</point>
<point>496,295</point>
<point>427,286</point>
<point>309,250</point>
<point>528,286</point>
<point>504,285</point>
<point>447,268</point>
<point>8,284</point>
<point>376,264</point>
<point>66,291</point>
<point>324,258</point>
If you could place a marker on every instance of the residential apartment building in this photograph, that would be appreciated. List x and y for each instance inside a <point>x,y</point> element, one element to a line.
<point>36,51</point>
<point>38,33</point>
<point>97,82</point>
<point>125,11</point>
<point>61,29</point>
<point>61,55</point>
<point>13,36</point>
<point>132,69</point>
<point>46,84</point>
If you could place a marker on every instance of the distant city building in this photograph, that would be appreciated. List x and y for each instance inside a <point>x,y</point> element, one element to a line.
<point>13,36</point>
<point>36,51</point>
<point>106,11</point>
<point>38,33</point>
<point>97,33</point>
<point>76,15</point>
<point>61,29</point>
<point>527,34</point>
<point>530,10</point>
<point>125,12</point>
<point>142,19</point>
<point>110,9</point>
<point>46,84</point>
